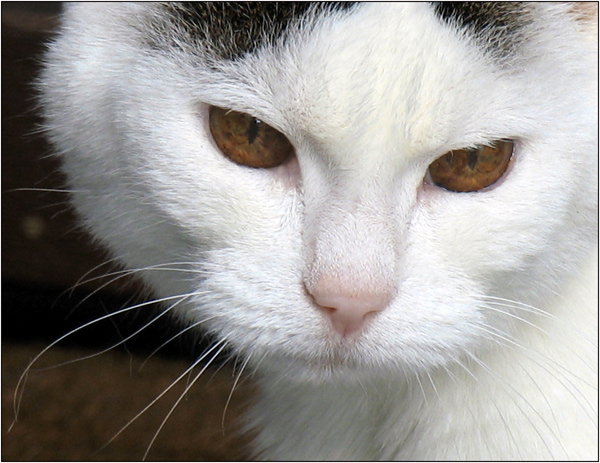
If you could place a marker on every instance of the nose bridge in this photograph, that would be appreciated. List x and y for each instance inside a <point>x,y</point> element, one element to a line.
<point>351,249</point>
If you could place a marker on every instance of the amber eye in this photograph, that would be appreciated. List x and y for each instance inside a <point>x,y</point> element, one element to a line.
<point>247,140</point>
<point>472,169</point>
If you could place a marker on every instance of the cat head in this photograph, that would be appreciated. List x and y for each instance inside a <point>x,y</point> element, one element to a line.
<point>351,250</point>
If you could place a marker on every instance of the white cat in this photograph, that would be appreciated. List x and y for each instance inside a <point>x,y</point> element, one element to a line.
<point>388,211</point>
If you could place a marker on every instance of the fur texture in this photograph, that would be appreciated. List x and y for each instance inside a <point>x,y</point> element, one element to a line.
<point>487,346</point>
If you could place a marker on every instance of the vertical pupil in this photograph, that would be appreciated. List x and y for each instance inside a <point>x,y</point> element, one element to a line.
<point>253,130</point>
<point>472,158</point>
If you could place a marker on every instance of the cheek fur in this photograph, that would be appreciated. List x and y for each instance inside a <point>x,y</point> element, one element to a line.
<point>383,317</point>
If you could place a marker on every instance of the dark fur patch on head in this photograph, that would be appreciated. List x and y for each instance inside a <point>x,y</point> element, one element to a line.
<point>229,30</point>
<point>496,26</point>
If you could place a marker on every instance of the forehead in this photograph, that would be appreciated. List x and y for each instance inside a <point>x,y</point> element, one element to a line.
<point>229,30</point>
<point>323,68</point>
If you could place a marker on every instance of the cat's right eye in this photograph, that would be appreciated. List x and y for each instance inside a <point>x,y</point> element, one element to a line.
<point>247,140</point>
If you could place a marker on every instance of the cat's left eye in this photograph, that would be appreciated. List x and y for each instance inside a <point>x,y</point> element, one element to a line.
<point>472,169</point>
<point>247,140</point>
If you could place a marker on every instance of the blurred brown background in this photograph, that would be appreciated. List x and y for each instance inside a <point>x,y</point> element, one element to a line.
<point>69,412</point>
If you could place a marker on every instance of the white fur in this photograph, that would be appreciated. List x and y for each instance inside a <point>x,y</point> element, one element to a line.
<point>451,368</point>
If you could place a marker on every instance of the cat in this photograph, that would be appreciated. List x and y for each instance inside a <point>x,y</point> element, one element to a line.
<point>389,211</point>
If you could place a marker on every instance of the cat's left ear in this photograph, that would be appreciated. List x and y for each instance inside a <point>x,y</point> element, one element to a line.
<point>586,15</point>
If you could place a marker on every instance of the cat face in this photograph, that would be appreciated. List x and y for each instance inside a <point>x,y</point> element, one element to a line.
<point>347,256</point>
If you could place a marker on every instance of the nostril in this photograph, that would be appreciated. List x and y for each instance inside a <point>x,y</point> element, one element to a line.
<point>348,312</point>
<point>357,306</point>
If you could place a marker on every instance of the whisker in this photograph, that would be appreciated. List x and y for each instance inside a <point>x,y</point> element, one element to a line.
<point>515,316</point>
<point>502,302</point>
<point>131,271</point>
<point>235,383</point>
<point>500,414</point>
<point>81,280</point>
<point>433,386</point>
<point>443,404</point>
<point>138,331</point>
<point>417,377</point>
<point>140,413</point>
<point>257,365</point>
<point>16,405</point>
<point>571,390</point>
<point>533,325</point>
<point>514,390</point>
<point>175,336</point>
<point>507,427</point>
<point>451,375</point>
<point>469,372</point>
<point>46,190</point>
<point>537,386</point>
<point>557,341</point>
<point>20,384</point>
<point>184,393</point>
<point>122,274</point>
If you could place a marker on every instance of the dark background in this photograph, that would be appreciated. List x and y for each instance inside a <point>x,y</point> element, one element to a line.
<point>70,412</point>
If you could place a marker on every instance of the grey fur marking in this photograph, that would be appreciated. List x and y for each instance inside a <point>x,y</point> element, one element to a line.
<point>229,30</point>
<point>495,26</point>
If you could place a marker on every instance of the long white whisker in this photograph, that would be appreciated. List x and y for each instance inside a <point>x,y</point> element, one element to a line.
<point>81,280</point>
<point>433,386</point>
<point>257,365</point>
<point>235,383</point>
<point>537,386</point>
<point>176,335</point>
<point>544,357</point>
<point>156,399</point>
<point>502,302</point>
<point>46,190</point>
<point>184,393</point>
<point>515,316</point>
<point>500,414</point>
<point>122,341</point>
<point>119,274</point>
<point>558,341</point>
<point>507,428</point>
<point>469,372</point>
<point>443,404</point>
<point>20,384</point>
<point>417,376</point>
<point>132,271</point>
<point>571,390</point>
<point>499,377</point>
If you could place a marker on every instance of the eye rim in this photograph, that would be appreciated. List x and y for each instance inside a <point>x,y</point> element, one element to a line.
<point>506,163</point>
<point>266,135</point>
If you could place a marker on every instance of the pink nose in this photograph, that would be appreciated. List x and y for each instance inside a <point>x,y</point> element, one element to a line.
<point>348,312</point>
